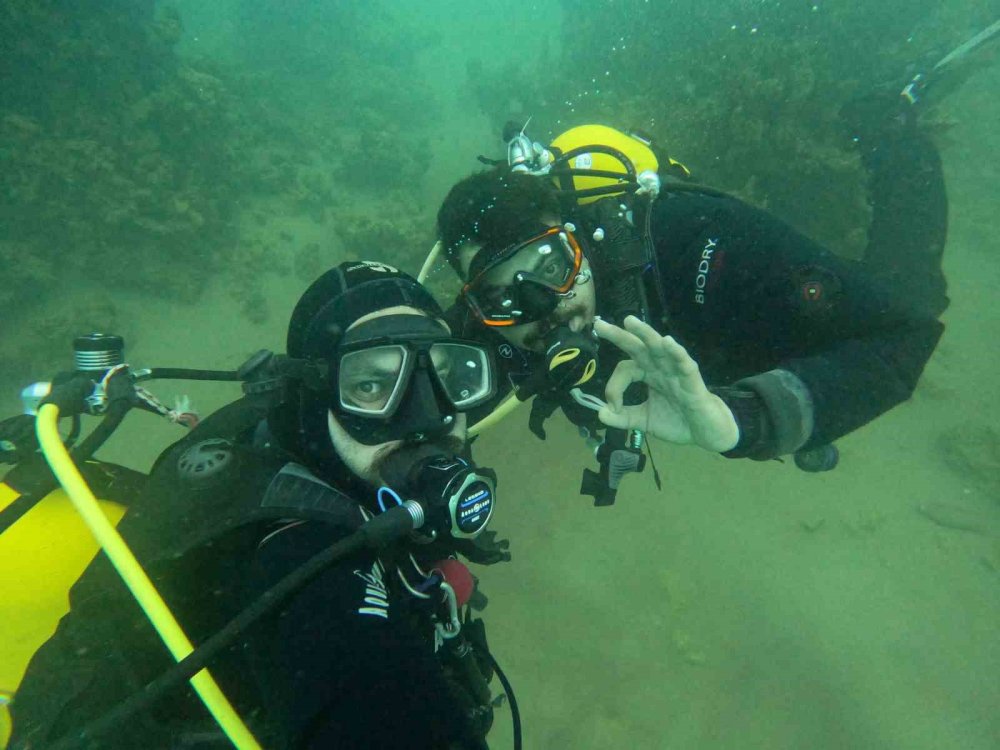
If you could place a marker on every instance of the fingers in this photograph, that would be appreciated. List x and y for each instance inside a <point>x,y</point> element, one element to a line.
<point>671,356</point>
<point>659,354</point>
<point>627,342</point>
<point>685,368</point>
<point>644,332</point>
<point>631,417</point>
<point>653,344</point>
<point>626,372</point>
<point>683,361</point>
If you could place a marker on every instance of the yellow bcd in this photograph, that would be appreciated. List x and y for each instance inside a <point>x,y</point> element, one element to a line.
<point>41,556</point>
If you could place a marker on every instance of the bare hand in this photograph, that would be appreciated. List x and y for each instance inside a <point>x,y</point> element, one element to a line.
<point>680,408</point>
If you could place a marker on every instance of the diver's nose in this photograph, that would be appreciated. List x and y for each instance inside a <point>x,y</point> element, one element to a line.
<point>577,323</point>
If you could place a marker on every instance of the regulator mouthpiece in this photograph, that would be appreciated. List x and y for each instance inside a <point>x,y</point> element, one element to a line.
<point>461,497</point>
<point>457,497</point>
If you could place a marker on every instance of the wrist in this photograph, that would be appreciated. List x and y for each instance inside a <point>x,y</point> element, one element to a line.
<point>752,427</point>
<point>731,438</point>
<point>786,408</point>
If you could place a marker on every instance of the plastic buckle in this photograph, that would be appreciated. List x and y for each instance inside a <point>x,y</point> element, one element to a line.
<point>445,631</point>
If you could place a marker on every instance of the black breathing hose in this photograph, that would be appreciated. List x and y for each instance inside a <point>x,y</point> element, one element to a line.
<point>574,172</point>
<point>596,148</point>
<point>515,713</point>
<point>376,533</point>
<point>112,420</point>
<point>182,373</point>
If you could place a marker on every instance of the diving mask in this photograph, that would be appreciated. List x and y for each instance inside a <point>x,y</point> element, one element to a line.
<point>400,377</point>
<point>526,282</point>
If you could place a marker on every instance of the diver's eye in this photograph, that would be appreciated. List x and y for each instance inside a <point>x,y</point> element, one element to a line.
<point>551,271</point>
<point>368,377</point>
<point>443,368</point>
<point>369,388</point>
<point>368,392</point>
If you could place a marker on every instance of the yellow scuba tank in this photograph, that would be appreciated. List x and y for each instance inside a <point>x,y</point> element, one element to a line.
<point>630,147</point>
<point>636,151</point>
<point>48,537</point>
<point>41,556</point>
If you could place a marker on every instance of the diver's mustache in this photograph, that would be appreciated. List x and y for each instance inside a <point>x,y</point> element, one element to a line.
<point>391,459</point>
<point>553,322</point>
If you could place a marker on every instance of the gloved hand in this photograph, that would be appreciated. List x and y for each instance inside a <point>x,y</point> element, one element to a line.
<point>680,408</point>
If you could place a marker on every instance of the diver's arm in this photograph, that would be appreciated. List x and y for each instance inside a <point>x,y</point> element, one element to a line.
<point>851,382</point>
<point>344,669</point>
<point>820,346</point>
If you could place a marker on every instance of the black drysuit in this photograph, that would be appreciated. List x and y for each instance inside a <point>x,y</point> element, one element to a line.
<point>804,346</point>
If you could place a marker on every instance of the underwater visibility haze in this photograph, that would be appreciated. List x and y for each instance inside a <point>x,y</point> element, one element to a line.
<point>178,173</point>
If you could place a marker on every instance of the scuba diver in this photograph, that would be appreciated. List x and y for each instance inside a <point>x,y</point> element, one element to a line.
<point>306,536</point>
<point>741,335</point>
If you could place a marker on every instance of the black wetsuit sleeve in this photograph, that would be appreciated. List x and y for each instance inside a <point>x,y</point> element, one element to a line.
<point>342,665</point>
<point>818,339</point>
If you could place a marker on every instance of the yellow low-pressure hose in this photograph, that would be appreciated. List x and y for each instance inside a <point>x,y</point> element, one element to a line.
<point>46,425</point>
<point>429,263</point>
<point>503,409</point>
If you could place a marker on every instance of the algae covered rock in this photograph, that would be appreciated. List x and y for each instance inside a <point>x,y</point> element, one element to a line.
<point>748,95</point>
<point>121,164</point>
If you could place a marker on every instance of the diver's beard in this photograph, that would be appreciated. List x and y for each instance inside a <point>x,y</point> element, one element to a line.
<point>393,462</point>
<point>533,342</point>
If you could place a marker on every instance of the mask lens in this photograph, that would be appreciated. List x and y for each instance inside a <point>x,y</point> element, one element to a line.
<point>537,300</point>
<point>549,261</point>
<point>463,372</point>
<point>370,380</point>
<point>544,259</point>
